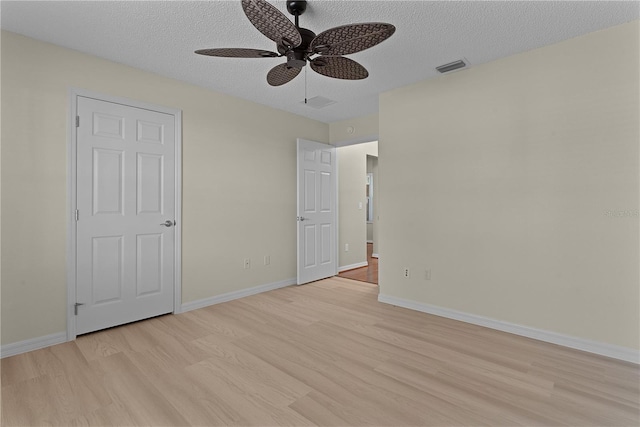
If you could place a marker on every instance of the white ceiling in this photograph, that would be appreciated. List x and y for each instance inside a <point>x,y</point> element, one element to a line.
<point>161,36</point>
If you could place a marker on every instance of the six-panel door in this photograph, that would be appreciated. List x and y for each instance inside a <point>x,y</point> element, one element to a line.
<point>316,211</point>
<point>125,194</point>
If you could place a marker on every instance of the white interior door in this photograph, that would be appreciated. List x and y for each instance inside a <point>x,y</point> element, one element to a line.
<point>125,196</point>
<point>317,219</point>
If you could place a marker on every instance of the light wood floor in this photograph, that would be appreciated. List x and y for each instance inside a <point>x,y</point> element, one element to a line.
<point>326,353</point>
<point>364,274</point>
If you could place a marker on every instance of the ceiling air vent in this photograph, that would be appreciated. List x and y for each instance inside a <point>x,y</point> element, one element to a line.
<point>318,102</point>
<point>451,66</point>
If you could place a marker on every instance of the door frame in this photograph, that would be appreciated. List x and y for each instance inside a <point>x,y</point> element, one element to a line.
<point>74,93</point>
<point>345,143</point>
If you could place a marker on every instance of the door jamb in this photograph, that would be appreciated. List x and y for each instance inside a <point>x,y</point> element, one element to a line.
<point>74,93</point>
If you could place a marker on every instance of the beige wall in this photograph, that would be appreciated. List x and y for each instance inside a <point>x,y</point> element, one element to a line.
<point>352,220</point>
<point>361,129</point>
<point>239,188</point>
<point>500,179</point>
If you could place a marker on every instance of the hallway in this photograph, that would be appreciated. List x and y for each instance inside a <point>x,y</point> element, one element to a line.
<point>364,274</point>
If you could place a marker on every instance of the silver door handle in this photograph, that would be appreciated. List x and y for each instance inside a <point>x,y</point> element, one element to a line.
<point>168,223</point>
<point>301,218</point>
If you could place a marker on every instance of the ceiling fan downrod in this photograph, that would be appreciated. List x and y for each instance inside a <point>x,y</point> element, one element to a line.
<point>297,57</point>
<point>297,8</point>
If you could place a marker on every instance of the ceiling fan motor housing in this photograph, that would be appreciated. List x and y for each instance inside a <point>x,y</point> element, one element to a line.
<point>297,57</point>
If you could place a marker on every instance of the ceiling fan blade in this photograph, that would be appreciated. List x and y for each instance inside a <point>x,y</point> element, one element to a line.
<point>238,53</point>
<point>353,38</point>
<point>339,67</point>
<point>281,74</point>
<point>271,22</point>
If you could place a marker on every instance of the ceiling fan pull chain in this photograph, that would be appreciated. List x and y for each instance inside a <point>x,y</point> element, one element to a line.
<point>305,84</point>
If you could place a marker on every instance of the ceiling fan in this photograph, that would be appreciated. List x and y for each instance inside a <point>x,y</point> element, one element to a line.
<point>300,45</point>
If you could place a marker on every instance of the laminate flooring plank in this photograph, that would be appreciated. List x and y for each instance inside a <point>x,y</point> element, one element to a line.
<point>129,388</point>
<point>328,311</point>
<point>111,415</point>
<point>65,387</point>
<point>250,400</point>
<point>103,343</point>
<point>84,377</point>
<point>194,402</point>
<point>15,369</point>
<point>316,412</point>
<point>325,377</point>
<point>352,411</point>
<point>570,369</point>
<point>299,362</point>
<point>616,396</point>
<point>378,349</point>
<point>185,327</point>
<point>236,361</point>
<point>522,399</point>
<point>273,306</point>
<point>323,341</point>
<point>476,349</point>
<point>617,412</point>
<point>461,398</point>
<point>416,407</point>
<point>45,400</point>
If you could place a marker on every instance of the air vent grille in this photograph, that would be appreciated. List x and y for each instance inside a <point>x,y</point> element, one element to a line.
<point>451,66</point>
<point>318,102</point>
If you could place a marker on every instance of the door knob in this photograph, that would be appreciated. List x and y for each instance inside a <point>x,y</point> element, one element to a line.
<point>168,223</point>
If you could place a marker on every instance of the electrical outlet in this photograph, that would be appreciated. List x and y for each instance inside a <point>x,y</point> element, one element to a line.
<point>247,263</point>
<point>267,259</point>
<point>346,247</point>
<point>427,274</point>
<point>406,273</point>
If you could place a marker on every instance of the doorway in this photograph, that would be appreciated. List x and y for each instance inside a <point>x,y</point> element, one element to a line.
<point>357,189</point>
<point>364,274</point>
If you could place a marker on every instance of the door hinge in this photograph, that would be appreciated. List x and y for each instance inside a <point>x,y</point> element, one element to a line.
<point>77,121</point>
<point>77,214</point>
<point>75,307</point>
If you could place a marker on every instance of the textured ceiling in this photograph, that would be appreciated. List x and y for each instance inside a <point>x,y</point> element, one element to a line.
<point>161,37</point>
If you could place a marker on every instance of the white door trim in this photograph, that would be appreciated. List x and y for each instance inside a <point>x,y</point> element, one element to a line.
<point>74,93</point>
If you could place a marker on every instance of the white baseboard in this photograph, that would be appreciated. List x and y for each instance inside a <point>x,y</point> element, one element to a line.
<point>603,349</point>
<point>352,266</point>
<point>375,256</point>
<point>32,344</point>
<point>229,296</point>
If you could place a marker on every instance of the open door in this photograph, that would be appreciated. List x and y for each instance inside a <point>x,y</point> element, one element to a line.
<point>317,218</point>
